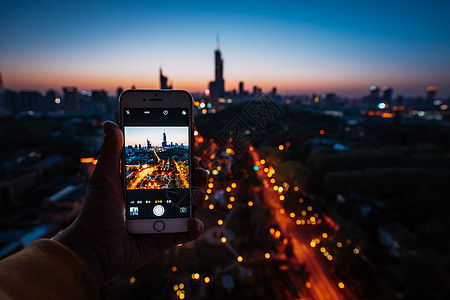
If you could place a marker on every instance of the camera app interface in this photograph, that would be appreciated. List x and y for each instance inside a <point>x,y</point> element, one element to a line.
<point>157,162</point>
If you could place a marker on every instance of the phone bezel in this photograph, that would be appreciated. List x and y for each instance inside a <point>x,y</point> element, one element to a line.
<point>134,98</point>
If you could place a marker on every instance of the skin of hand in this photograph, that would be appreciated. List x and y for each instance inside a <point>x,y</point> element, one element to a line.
<point>99,235</point>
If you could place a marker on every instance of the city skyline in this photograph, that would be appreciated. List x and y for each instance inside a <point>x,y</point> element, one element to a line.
<point>135,135</point>
<point>299,48</point>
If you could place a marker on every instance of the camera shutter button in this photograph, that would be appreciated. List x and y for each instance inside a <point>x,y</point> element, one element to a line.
<point>158,210</point>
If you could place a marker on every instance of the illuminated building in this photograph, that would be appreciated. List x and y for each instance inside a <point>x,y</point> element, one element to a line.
<point>431,93</point>
<point>387,94</point>
<point>374,93</point>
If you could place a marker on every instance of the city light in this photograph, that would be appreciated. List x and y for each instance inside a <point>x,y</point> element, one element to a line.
<point>267,255</point>
<point>239,258</point>
<point>207,279</point>
<point>341,285</point>
<point>220,222</point>
<point>223,240</point>
<point>281,147</point>
<point>211,206</point>
<point>250,203</point>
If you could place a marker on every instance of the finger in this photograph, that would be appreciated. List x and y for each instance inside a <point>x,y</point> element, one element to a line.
<point>199,177</point>
<point>198,197</point>
<point>195,230</point>
<point>108,161</point>
<point>161,242</point>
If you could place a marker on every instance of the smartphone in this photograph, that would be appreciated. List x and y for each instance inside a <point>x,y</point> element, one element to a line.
<point>156,159</point>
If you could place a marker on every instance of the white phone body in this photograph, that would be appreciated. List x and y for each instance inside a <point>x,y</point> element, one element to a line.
<point>156,159</point>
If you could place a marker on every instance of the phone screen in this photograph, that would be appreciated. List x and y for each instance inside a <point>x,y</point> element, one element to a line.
<point>157,162</point>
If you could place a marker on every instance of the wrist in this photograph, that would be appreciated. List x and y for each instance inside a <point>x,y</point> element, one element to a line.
<point>73,239</point>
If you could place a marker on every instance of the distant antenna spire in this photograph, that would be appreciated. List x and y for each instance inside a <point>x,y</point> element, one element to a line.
<point>218,41</point>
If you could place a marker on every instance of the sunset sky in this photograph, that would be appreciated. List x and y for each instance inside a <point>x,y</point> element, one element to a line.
<point>135,135</point>
<point>297,46</point>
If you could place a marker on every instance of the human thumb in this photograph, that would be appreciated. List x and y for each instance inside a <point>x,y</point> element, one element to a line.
<point>108,161</point>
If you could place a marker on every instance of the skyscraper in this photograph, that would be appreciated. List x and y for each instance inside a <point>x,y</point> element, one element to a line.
<point>387,94</point>
<point>163,81</point>
<point>217,87</point>
<point>374,93</point>
<point>164,142</point>
<point>219,81</point>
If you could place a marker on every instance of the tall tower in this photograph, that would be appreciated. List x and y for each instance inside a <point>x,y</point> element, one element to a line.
<point>164,142</point>
<point>163,81</point>
<point>219,81</point>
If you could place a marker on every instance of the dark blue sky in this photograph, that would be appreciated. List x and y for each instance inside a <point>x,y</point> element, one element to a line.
<point>299,46</point>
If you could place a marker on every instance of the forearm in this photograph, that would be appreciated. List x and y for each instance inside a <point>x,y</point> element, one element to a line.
<point>46,269</point>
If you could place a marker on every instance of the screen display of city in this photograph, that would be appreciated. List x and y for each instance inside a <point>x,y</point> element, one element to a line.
<point>156,156</point>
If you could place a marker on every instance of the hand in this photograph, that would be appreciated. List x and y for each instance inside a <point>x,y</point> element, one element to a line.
<point>99,236</point>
